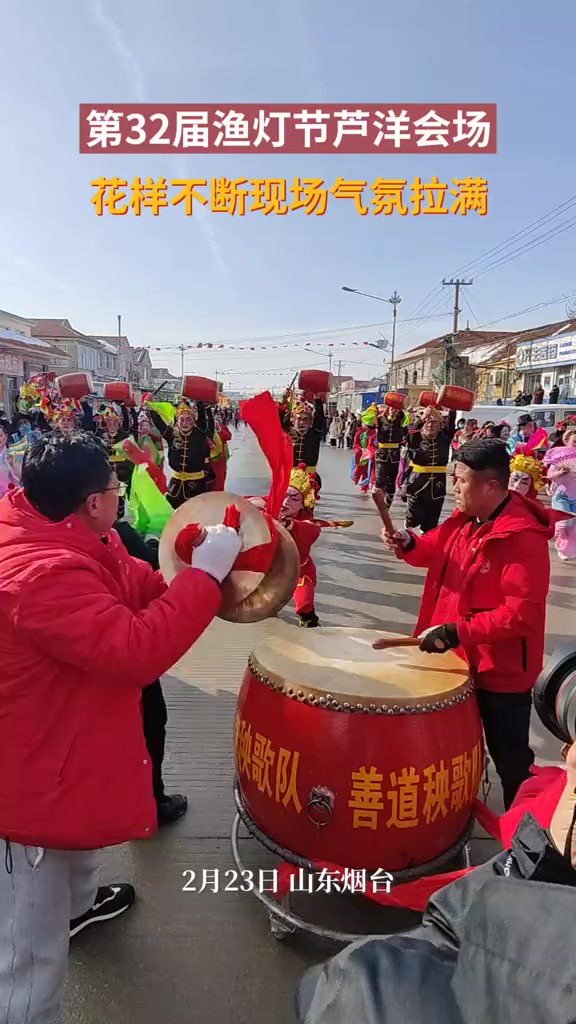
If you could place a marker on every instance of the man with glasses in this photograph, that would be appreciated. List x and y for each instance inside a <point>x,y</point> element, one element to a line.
<point>83,629</point>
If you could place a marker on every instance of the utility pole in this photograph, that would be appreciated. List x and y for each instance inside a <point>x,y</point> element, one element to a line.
<point>394,301</point>
<point>457,284</point>
<point>507,379</point>
<point>181,351</point>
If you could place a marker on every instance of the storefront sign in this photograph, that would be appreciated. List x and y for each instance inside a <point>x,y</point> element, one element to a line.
<point>549,352</point>
<point>11,364</point>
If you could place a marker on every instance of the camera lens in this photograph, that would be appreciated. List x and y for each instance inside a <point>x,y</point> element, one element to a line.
<point>555,694</point>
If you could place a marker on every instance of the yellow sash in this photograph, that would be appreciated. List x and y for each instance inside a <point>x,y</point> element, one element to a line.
<point>189,476</point>
<point>428,469</point>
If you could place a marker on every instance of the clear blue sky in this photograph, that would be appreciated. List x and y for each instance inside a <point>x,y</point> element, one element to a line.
<point>213,277</point>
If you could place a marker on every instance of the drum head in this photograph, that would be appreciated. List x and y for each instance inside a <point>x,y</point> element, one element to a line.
<point>340,663</point>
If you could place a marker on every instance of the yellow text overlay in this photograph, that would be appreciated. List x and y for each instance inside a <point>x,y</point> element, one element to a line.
<point>280,196</point>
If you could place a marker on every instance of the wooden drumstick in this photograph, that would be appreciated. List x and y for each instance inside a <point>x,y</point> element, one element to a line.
<point>404,641</point>
<point>379,500</point>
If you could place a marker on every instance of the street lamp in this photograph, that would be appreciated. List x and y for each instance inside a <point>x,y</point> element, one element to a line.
<point>394,301</point>
<point>315,352</point>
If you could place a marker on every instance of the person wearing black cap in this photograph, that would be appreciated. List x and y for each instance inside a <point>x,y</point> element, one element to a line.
<point>525,428</point>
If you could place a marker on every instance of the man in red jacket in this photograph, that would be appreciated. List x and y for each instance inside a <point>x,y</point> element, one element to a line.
<point>485,595</point>
<point>83,628</point>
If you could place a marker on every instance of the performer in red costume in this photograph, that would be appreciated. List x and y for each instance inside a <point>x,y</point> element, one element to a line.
<point>297,515</point>
<point>219,456</point>
<point>291,498</point>
<point>363,466</point>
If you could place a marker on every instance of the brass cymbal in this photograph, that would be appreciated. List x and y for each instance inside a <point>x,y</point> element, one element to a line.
<point>246,596</point>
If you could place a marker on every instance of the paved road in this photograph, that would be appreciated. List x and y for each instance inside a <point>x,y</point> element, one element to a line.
<point>180,957</point>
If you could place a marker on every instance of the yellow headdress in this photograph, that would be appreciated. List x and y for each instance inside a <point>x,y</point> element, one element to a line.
<point>185,406</point>
<point>531,466</point>
<point>300,480</point>
<point>303,408</point>
<point>107,414</point>
<point>30,392</point>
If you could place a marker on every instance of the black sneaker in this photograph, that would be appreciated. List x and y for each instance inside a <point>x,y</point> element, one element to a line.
<point>171,809</point>
<point>110,902</point>
<point>309,620</point>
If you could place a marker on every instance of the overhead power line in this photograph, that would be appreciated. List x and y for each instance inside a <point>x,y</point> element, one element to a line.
<point>557,211</point>
<point>497,255</point>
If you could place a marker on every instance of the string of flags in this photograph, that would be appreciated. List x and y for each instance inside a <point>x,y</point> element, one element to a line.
<point>259,348</point>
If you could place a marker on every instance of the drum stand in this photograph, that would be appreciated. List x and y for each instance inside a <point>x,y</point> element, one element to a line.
<point>282,921</point>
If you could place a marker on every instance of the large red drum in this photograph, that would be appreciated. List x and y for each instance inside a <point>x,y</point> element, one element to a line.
<point>74,385</point>
<point>314,382</point>
<point>119,391</point>
<point>428,398</point>
<point>395,400</point>
<point>362,758</point>
<point>453,397</point>
<point>200,389</point>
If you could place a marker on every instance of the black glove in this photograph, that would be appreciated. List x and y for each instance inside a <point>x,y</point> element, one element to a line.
<point>440,639</point>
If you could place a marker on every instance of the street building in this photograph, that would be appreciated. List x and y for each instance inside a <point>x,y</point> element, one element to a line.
<point>22,355</point>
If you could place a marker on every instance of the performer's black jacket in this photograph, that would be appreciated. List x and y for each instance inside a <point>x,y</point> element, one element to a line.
<point>425,452</point>
<point>495,946</point>
<point>123,432</point>
<point>307,446</point>
<point>187,453</point>
<point>390,432</point>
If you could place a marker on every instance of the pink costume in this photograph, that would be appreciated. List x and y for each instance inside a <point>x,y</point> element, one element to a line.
<point>561,472</point>
<point>8,477</point>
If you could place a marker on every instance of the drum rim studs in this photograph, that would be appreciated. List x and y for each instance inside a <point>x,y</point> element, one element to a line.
<point>350,706</point>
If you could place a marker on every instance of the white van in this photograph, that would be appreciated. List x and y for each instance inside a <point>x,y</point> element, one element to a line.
<point>546,416</point>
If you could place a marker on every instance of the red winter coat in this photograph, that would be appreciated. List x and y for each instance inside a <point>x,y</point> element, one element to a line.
<point>83,627</point>
<point>499,607</point>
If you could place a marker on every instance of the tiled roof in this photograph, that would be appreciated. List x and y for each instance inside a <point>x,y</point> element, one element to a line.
<point>49,328</point>
<point>487,346</point>
<point>113,339</point>
<point>14,340</point>
<point>110,349</point>
<point>161,373</point>
<point>13,316</point>
<point>464,338</point>
<point>547,331</point>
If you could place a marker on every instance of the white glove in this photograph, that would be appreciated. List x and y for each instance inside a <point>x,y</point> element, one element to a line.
<point>218,552</point>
